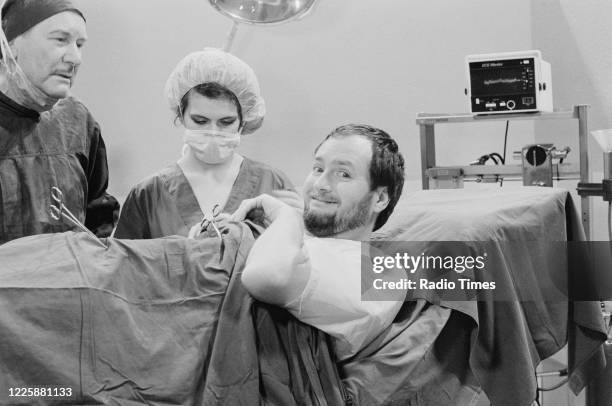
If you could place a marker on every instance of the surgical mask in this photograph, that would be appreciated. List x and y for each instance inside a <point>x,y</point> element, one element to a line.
<point>19,85</point>
<point>211,146</point>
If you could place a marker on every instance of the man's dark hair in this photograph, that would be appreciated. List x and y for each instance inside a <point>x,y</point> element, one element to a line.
<point>212,90</point>
<point>386,166</point>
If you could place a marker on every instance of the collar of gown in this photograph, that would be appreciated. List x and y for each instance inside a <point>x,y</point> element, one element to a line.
<point>10,107</point>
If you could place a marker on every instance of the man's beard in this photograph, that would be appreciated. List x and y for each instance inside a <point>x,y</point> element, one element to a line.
<point>328,224</point>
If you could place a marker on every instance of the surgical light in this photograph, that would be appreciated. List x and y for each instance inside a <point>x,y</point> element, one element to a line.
<point>260,12</point>
<point>263,11</point>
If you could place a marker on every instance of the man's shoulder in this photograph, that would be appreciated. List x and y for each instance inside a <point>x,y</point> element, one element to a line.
<point>72,121</point>
<point>326,249</point>
<point>332,242</point>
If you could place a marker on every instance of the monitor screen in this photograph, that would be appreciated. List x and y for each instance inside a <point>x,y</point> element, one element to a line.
<point>503,77</point>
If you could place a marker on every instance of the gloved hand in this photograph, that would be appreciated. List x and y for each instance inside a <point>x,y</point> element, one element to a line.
<point>220,221</point>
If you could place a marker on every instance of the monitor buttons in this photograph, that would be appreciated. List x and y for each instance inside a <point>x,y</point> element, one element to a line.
<point>528,101</point>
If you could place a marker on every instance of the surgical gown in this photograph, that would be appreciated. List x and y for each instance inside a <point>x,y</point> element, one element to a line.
<point>165,204</point>
<point>61,147</point>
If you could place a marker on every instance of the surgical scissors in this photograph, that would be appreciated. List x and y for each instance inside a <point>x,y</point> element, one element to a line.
<point>57,209</point>
<point>209,219</point>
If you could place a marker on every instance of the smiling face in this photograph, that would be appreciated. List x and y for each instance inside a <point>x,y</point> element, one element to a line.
<point>338,200</point>
<point>50,52</point>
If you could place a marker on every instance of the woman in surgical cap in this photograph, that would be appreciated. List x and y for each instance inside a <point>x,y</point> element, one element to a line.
<point>216,98</point>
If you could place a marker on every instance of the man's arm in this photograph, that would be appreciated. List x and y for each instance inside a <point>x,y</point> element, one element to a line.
<point>277,268</point>
<point>102,209</point>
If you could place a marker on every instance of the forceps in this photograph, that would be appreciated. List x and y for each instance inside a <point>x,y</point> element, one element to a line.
<point>57,209</point>
<point>209,219</point>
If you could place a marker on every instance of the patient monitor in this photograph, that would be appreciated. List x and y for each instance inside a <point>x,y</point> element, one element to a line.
<point>509,82</point>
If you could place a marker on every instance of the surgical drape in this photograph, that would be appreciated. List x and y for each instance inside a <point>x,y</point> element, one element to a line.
<point>151,322</point>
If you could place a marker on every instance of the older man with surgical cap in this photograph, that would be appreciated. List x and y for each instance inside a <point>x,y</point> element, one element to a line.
<point>216,97</point>
<point>47,138</point>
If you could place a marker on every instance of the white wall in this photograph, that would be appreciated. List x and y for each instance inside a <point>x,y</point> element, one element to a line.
<point>574,37</point>
<point>368,61</point>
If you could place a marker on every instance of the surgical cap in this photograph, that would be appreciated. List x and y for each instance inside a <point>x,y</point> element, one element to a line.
<point>213,65</point>
<point>18,16</point>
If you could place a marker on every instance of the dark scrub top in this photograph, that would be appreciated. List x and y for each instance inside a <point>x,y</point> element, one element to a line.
<point>61,147</point>
<point>165,204</point>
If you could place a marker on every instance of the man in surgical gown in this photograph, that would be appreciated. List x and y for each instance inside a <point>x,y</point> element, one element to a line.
<point>47,138</point>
